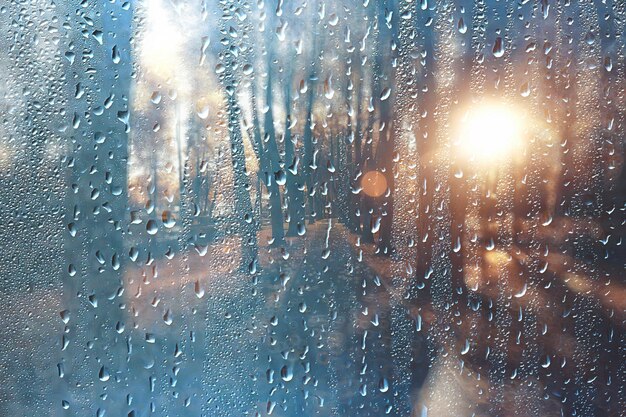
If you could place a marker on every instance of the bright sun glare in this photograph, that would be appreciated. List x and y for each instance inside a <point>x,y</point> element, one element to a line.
<point>490,132</point>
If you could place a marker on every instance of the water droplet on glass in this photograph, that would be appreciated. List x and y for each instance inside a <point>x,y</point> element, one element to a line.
<point>152,227</point>
<point>498,48</point>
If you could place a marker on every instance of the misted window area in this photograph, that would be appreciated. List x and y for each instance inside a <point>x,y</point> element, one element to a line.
<point>333,208</point>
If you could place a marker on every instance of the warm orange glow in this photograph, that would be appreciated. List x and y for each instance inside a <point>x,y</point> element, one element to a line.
<point>489,132</point>
<point>374,184</point>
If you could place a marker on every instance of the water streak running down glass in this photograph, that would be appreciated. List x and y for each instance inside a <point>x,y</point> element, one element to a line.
<point>340,208</point>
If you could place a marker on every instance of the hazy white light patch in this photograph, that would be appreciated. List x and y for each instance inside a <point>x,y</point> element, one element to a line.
<point>162,41</point>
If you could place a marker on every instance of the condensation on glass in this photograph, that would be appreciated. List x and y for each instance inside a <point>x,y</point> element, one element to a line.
<point>313,208</point>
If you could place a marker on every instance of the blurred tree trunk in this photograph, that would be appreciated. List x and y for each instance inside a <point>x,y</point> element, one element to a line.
<point>243,214</point>
<point>296,209</point>
<point>270,154</point>
<point>97,209</point>
<point>388,86</point>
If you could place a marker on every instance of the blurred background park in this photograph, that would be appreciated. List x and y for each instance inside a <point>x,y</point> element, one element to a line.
<point>313,208</point>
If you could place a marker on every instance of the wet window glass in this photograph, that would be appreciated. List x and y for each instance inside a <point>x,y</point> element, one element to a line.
<point>313,208</point>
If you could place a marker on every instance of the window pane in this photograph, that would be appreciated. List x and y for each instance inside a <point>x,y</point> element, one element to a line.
<point>313,208</point>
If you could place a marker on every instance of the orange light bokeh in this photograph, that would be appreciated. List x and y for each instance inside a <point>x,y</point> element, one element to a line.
<point>374,184</point>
